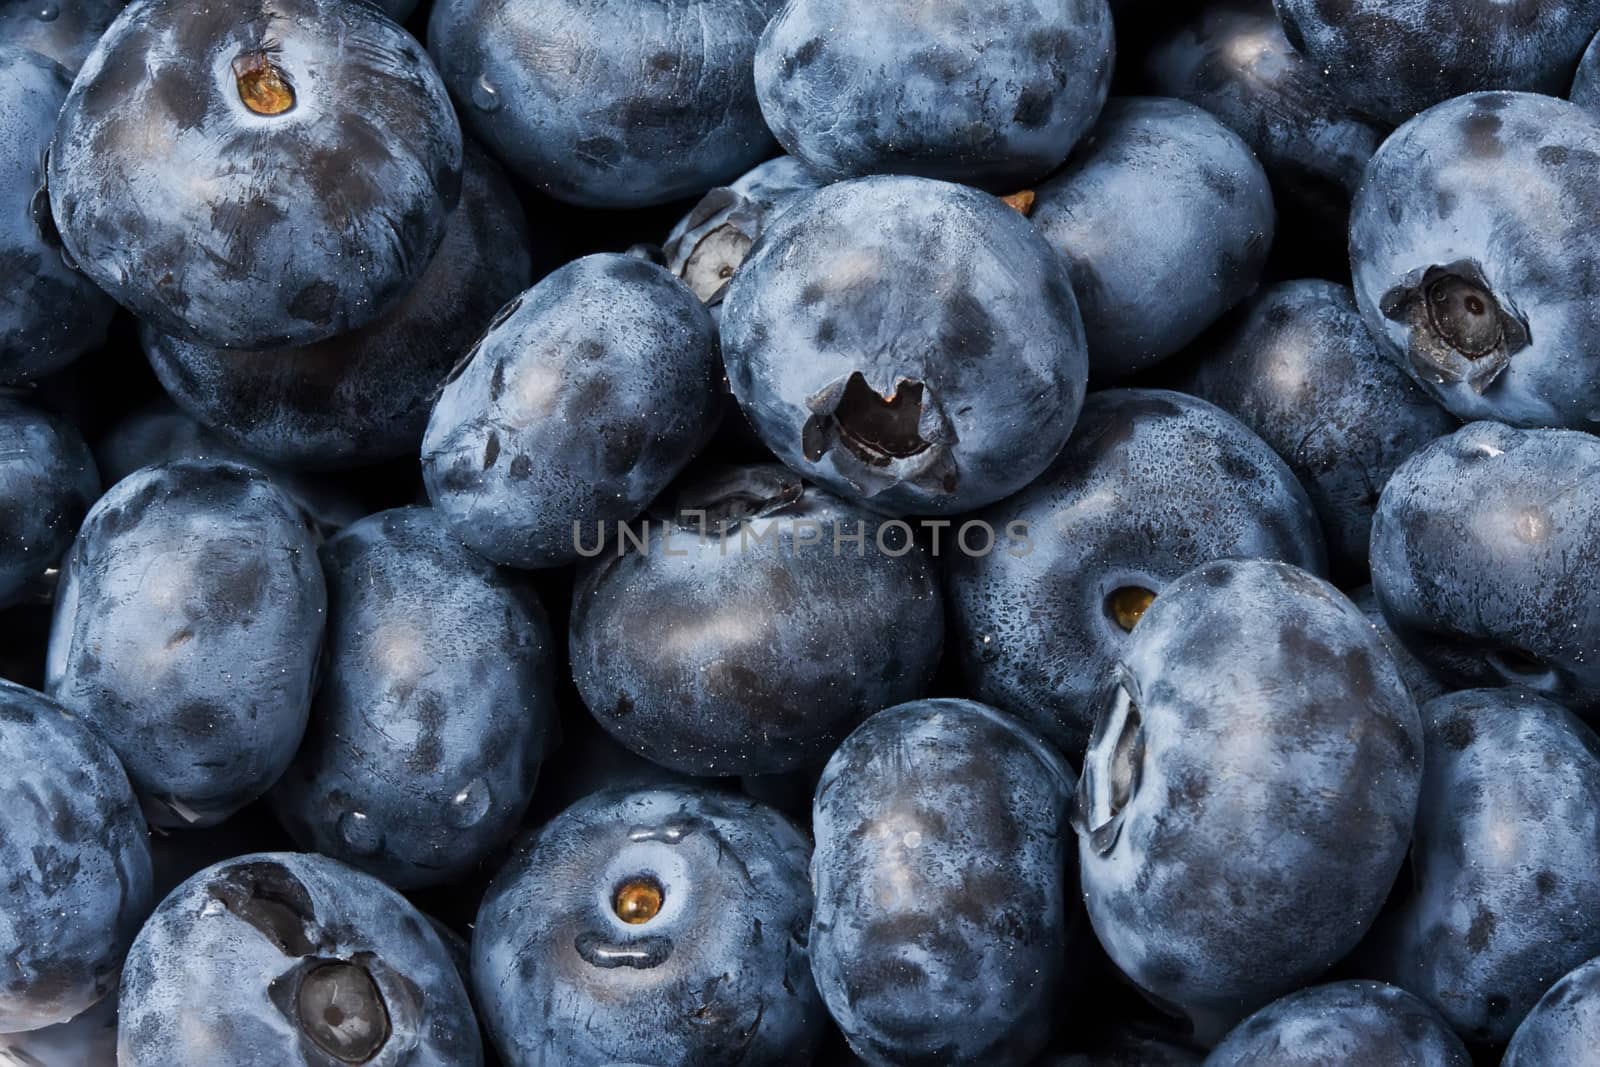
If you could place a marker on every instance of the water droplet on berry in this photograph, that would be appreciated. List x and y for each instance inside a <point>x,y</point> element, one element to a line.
<point>485,97</point>
<point>468,807</point>
<point>47,11</point>
<point>359,833</point>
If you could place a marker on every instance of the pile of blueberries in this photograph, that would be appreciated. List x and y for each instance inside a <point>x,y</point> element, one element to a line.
<point>688,533</point>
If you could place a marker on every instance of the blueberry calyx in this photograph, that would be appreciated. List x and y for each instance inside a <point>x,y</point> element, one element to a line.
<point>1112,768</point>
<point>1021,201</point>
<point>717,255</point>
<point>879,439</point>
<point>1127,604</point>
<point>1460,331</point>
<point>341,1009</point>
<point>263,87</point>
<point>728,497</point>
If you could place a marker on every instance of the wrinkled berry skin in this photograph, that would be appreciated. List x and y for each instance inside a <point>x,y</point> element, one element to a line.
<point>51,314</point>
<point>943,873</point>
<point>910,343</point>
<point>750,635</point>
<point>717,975</point>
<point>1151,484</point>
<point>233,228</point>
<point>1484,293</point>
<point>234,967</point>
<point>587,396</point>
<point>364,396</point>
<point>77,863</point>
<point>1423,683</point>
<point>608,103</point>
<point>1391,61</point>
<point>1564,1027</point>
<point>1164,219</point>
<point>1249,789</point>
<point>1343,1022</point>
<point>993,94</point>
<point>62,32</point>
<point>708,245</point>
<point>427,732</point>
<point>1232,59</point>
<point>1505,863</point>
<point>1486,560</point>
<point>1299,368</point>
<point>187,626</point>
<point>48,482</point>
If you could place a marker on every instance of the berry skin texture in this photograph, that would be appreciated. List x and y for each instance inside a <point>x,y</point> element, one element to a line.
<point>1391,61</point>
<point>658,926</point>
<point>1485,560</point>
<point>586,397</point>
<point>1248,792</point>
<point>1115,520</point>
<point>1299,368</point>
<point>1483,291</point>
<point>435,711</point>
<point>187,627</point>
<point>1564,1026</point>
<point>77,862</point>
<point>1505,862</point>
<point>943,873</point>
<point>51,314</point>
<point>281,958</point>
<point>364,396</point>
<point>993,95</point>
<point>608,103</point>
<point>908,343</point>
<point>749,635</point>
<point>255,174</point>
<point>1164,219</point>
<point>1343,1022</point>
<point>48,482</point>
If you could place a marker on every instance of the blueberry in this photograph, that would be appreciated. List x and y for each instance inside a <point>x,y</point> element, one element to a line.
<point>1151,484</point>
<point>1343,1022</point>
<point>1484,561</point>
<point>1564,1027</point>
<point>663,926</point>
<point>1481,290</point>
<point>426,735</point>
<point>711,242</point>
<point>73,846</point>
<point>51,314</point>
<point>993,94</point>
<point>1505,863</point>
<point>1393,60</point>
<point>47,483</point>
<point>1231,58</point>
<point>908,342</point>
<point>1249,789</point>
<point>608,103</point>
<point>1420,678</point>
<point>187,626</point>
<point>61,30</point>
<point>755,628</point>
<point>944,886</point>
<point>587,396</point>
<point>364,396</point>
<point>1164,219</point>
<point>276,958</point>
<point>158,433</point>
<point>255,174</point>
<point>1300,369</point>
